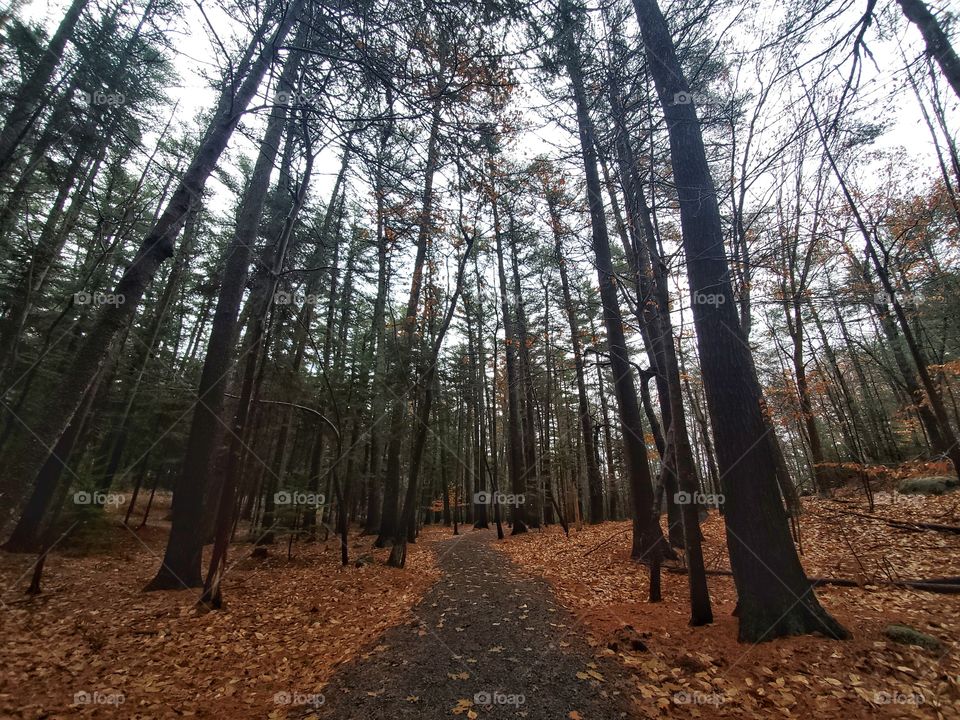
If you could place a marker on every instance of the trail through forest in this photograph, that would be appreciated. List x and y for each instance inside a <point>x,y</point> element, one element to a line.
<point>484,642</point>
<point>294,294</point>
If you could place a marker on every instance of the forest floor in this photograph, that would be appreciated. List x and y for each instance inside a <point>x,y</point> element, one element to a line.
<point>93,645</point>
<point>539,626</point>
<point>705,672</point>
<point>486,641</point>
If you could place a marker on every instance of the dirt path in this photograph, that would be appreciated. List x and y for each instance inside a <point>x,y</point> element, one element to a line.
<point>483,635</point>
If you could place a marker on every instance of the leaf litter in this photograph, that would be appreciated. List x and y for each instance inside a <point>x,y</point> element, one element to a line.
<point>681,671</point>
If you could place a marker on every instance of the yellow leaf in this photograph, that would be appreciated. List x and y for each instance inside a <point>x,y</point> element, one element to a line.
<point>462,706</point>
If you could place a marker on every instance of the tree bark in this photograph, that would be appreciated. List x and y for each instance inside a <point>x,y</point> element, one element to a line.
<point>181,563</point>
<point>774,594</point>
<point>937,42</point>
<point>648,542</point>
<point>29,97</point>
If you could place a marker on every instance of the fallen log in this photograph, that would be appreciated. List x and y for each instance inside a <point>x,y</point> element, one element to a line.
<point>946,585</point>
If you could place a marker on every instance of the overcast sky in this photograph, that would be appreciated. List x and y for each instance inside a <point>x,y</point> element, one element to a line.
<point>881,93</point>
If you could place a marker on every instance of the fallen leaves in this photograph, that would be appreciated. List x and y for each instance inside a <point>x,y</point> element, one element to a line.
<point>706,673</point>
<point>464,706</point>
<point>590,673</point>
<point>287,626</point>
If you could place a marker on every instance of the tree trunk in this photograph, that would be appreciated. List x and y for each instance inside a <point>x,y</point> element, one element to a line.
<point>594,482</point>
<point>653,315</point>
<point>262,295</point>
<point>181,563</point>
<point>516,463</point>
<point>937,41</point>
<point>478,370</point>
<point>398,553</point>
<point>391,527</point>
<point>156,247</point>
<point>648,542</point>
<point>533,502</point>
<point>774,596</point>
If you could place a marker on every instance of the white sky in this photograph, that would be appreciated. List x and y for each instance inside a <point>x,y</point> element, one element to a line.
<point>196,54</point>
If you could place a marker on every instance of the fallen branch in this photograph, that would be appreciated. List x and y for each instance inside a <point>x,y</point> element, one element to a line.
<point>904,524</point>
<point>604,542</point>
<point>946,585</point>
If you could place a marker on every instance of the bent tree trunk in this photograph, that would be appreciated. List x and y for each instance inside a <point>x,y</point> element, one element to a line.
<point>181,562</point>
<point>679,470</point>
<point>775,596</point>
<point>651,310</point>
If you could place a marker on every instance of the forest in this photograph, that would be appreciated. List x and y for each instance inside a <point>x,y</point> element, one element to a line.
<point>580,359</point>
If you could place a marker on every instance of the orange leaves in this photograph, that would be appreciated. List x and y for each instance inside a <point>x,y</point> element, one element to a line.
<point>287,626</point>
<point>948,368</point>
<point>705,672</point>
